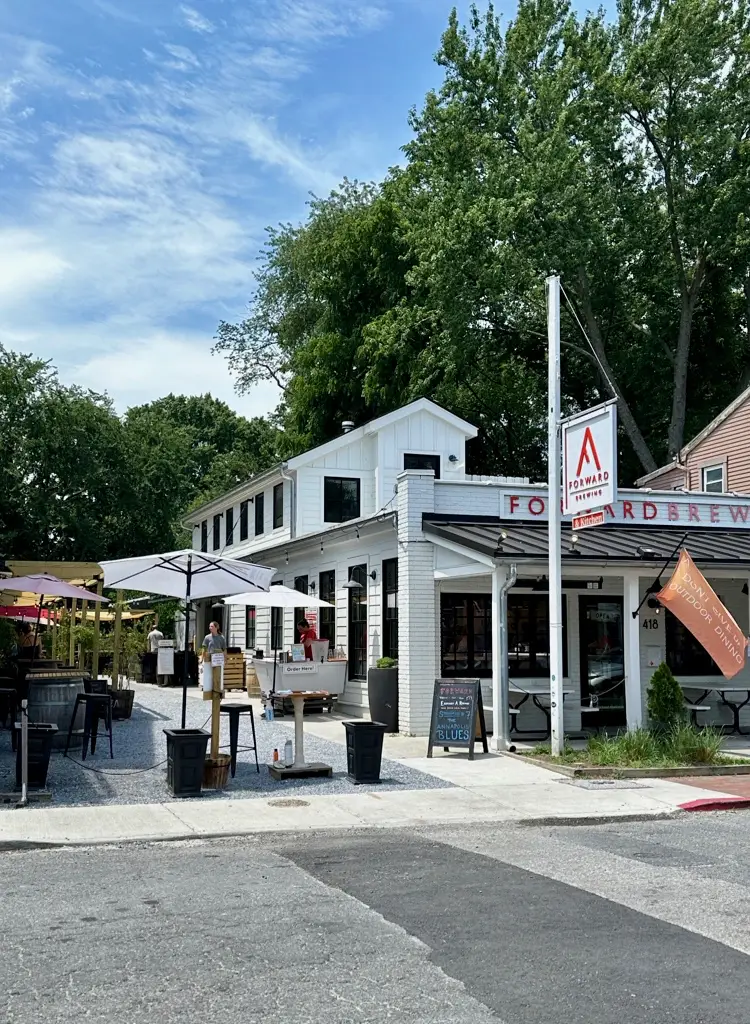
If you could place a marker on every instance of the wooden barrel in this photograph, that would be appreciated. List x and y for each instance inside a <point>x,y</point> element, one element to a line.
<point>52,700</point>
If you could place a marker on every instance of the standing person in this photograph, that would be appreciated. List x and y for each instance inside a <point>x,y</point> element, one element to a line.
<point>306,636</point>
<point>214,641</point>
<point>153,639</point>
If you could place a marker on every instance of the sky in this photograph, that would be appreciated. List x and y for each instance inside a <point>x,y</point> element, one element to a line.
<point>145,145</point>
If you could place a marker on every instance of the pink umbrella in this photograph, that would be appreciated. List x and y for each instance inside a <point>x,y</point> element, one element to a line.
<point>47,585</point>
<point>23,613</point>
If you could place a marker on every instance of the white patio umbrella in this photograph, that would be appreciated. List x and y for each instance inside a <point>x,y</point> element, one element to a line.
<point>187,575</point>
<point>279,597</point>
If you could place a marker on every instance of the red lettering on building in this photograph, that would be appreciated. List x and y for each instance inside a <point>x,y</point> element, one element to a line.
<point>673,511</point>
<point>627,510</point>
<point>610,511</point>
<point>693,515</point>
<point>714,513</point>
<point>514,502</point>
<point>536,506</point>
<point>739,512</point>
<point>650,511</point>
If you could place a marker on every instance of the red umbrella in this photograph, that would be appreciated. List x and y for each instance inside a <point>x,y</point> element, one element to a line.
<point>23,613</point>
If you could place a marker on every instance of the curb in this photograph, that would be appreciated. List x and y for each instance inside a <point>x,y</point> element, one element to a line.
<point>688,772</point>
<point>719,803</point>
<point>601,819</point>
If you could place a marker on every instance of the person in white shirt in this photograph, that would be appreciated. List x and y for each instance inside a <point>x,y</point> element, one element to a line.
<point>153,645</point>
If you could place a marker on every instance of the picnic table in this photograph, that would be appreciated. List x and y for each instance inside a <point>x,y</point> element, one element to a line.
<point>735,706</point>
<point>540,696</point>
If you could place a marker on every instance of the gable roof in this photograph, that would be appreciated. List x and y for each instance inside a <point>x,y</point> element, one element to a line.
<point>373,426</point>
<point>686,449</point>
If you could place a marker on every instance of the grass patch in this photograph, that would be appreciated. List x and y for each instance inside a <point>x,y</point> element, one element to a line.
<point>683,746</point>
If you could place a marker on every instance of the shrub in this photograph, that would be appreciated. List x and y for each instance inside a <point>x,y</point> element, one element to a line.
<point>666,704</point>
<point>688,745</point>
<point>631,748</point>
<point>386,663</point>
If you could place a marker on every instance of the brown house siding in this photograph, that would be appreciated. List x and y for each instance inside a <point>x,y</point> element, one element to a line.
<point>668,481</point>
<point>728,445</point>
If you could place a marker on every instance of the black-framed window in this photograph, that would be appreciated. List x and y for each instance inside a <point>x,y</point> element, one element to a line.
<point>412,460</point>
<point>216,539</point>
<point>358,623</point>
<point>277,628</point>
<point>250,631</point>
<point>327,616</point>
<point>341,499</point>
<point>229,519</point>
<point>390,607</point>
<point>278,506</point>
<point>260,514</point>
<point>243,520</point>
<point>466,635</point>
<point>301,584</point>
<point>528,635</point>
<point>204,535</point>
<point>685,656</point>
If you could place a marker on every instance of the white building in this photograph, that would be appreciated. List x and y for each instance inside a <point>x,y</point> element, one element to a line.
<point>389,504</point>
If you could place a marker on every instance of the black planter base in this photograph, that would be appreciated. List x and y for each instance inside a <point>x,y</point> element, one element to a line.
<point>186,755</point>
<point>41,738</point>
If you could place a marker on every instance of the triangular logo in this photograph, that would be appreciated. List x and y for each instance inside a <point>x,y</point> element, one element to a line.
<point>588,452</point>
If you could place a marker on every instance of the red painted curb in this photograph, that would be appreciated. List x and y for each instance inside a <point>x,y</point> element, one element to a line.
<point>720,803</point>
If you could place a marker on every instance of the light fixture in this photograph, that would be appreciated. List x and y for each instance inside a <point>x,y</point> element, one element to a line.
<point>373,575</point>
<point>217,605</point>
<point>352,585</point>
<point>311,587</point>
<point>654,605</point>
<point>356,530</point>
<point>287,558</point>
<point>452,458</point>
<point>745,591</point>
<point>648,553</point>
<point>321,546</point>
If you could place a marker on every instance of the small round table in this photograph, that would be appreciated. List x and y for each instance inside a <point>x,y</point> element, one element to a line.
<point>300,768</point>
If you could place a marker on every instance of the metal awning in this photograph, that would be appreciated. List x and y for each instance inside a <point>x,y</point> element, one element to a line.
<point>505,541</point>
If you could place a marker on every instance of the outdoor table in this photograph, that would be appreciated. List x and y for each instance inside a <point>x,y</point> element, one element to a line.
<point>734,705</point>
<point>535,693</point>
<point>300,769</point>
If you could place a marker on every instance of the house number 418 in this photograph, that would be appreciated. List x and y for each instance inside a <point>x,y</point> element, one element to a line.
<point>650,623</point>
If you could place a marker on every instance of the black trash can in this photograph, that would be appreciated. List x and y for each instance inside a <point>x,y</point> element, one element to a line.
<point>41,737</point>
<point>364,750</point>
<point>186,755</point>
<point>382,693</point>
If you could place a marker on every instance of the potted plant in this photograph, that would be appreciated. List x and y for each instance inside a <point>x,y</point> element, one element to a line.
<point>41,737</point>
<point>382,692</point>
<point>186,755</point>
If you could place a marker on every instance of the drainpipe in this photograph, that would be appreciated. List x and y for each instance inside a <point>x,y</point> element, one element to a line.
<point>500,681</point>
<point>292,501</point>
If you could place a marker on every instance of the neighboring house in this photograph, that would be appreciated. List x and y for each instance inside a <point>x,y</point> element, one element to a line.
<point>717,461</point>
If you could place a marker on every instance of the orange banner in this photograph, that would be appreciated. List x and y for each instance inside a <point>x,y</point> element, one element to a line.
<point>689,597</point>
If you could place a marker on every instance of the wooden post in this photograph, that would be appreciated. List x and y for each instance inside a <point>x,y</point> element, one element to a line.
<point>215,710</point>
<point>97,631</point>
<point>84,618</point>
<point>116,641</point>
<point>54,613</point>
<point>72,637</point>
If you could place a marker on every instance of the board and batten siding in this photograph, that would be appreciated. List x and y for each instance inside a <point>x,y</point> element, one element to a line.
<point>728,445</point>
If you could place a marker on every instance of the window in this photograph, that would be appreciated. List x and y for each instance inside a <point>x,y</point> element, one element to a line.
<point>358,623</point>
<point>217,532</point>
<point>528,635</point>
<point>243,520</point>
<point>327,616</point>
<point>300,583</point>
<point>390,608</point>
<point>204,535</point>
<point>278,506</point>
<point>260,514</point>
<point>277,628</point>
<point>230,527</point>
<point>685,656</point>
<point>250,640</point>
<point>340,499</point>
<point>423,462</point>
<point>712,479</point>
<point>466,635</point>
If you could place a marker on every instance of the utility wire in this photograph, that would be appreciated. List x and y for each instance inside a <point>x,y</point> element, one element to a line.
<point>603,372</point>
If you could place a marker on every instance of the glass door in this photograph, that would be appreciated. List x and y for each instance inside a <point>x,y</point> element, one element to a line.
<point>358,623</point>
<point>602,664</point>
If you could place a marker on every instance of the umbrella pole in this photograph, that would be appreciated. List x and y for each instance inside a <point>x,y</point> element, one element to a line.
<point>187,630</point>
<point>36,628</point>
<point>116,642</point>
<point>72,637</point>
<point>97,630</point>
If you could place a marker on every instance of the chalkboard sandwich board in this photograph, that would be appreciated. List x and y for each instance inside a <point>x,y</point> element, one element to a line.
<point>457,716</point>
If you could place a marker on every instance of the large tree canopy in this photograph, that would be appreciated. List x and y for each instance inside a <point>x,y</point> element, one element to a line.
<point>81,483</point>
<point>614,153</point>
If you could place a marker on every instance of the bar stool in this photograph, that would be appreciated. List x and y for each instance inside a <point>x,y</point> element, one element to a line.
<point>97,705</point>
<point>8,709</point>
<point>234,711</point>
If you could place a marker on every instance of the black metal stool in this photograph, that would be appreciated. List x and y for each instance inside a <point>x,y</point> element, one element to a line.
<point>8,709</point>
<point>97,705</point>
<point>234,711</point>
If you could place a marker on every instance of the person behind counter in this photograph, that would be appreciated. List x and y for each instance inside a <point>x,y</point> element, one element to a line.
<point>306,636</point>
<point>213,641</point>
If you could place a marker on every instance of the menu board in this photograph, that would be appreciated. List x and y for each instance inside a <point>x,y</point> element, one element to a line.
<point>457,716</point>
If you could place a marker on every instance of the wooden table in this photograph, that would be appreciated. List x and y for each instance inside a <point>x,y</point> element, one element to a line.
<point>300,769</point>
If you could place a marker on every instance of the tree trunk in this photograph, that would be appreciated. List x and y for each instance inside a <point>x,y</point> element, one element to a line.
<point>682,358</point>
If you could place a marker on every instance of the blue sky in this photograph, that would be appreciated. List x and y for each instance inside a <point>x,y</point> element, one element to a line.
<point>146,144</point>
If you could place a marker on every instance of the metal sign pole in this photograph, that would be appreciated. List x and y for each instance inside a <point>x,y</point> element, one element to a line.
<point>554,516</point>
<point>24,753</point>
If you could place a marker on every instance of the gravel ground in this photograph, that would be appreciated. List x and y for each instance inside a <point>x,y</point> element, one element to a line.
<point>139,744</point>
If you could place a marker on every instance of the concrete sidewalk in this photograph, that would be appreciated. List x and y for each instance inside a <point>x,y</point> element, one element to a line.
<point>492,788</point>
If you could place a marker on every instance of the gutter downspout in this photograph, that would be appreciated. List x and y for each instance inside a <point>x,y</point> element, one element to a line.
<point>500,669</point>
<point>292,501</point>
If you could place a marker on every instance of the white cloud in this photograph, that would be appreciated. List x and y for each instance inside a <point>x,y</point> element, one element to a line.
<point>195,20</point>
<point>27,266</point>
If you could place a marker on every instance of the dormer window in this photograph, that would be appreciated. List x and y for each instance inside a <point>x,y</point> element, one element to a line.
<point>341,499</point>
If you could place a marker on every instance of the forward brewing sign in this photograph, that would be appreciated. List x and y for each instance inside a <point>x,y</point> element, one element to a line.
<point>589,443</point>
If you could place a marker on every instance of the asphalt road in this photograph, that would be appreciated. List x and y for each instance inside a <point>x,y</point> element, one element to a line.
<point>633,924</point>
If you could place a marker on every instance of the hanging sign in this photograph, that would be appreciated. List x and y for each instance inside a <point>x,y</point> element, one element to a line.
<point>589,444</point>
<point>591,519</point>
<point>457,716</point>
<point>689,596</point>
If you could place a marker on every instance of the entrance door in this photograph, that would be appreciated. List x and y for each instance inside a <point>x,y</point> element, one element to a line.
<point>602,664</point>
<point>358,623</point>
